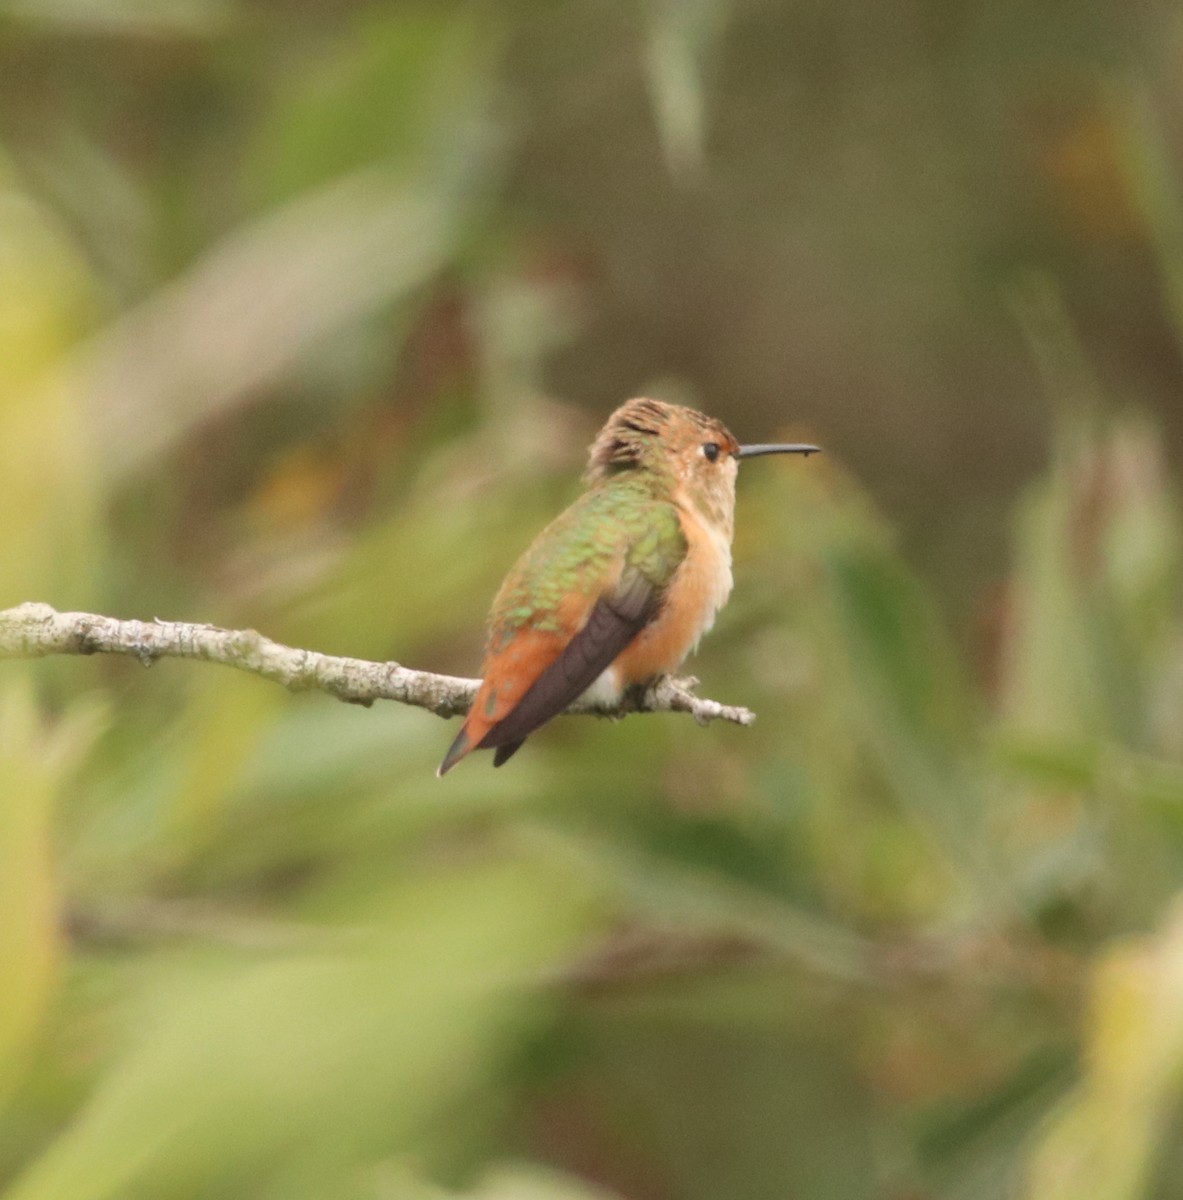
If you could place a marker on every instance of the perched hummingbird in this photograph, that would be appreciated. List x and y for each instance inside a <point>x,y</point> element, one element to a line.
<point>618,589</point>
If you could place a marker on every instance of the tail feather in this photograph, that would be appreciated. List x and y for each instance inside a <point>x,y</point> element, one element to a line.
<point>459,748</point>
<point>464,744</point>
<point>523,671</point>
<point>504,753</point>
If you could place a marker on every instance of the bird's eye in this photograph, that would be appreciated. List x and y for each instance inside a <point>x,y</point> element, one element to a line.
<point>710,451</point>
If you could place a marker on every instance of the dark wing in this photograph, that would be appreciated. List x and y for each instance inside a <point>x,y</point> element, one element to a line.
<point>614,621</point>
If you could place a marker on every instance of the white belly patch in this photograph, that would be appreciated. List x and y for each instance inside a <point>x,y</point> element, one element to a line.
<point>606,690</point>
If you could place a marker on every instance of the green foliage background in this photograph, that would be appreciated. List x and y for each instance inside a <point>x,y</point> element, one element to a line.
<point>307,312</point>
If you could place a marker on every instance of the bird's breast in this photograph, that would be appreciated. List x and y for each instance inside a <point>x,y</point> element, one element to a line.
<point>698,590</point>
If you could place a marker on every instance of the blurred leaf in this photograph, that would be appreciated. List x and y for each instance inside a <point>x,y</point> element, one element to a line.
<point>895,639</point>
<point>35,763</point>
<point>882,717</point>
<point>682,37</point>
<point>251,311</point>
<point>223,723</point>
<point>147,18</point>
<point>535,1183</point>
<point>387,605</point>
<point>1092,601</point>
<point>1156,185</point>
<point>705,901</point>
<point>715,1105</point>
<point>324,1058</point>
<point>972,1151</point>
<point>1105,1141</point>
<point>51,539</point>
<point>401,88</point>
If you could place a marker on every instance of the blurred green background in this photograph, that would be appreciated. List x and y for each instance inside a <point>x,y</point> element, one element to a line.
<point>307,313</point>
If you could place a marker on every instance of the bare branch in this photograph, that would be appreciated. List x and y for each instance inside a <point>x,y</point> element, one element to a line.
<point>37,630</point>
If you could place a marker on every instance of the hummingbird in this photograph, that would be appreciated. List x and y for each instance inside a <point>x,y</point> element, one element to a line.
<point>618,589</point>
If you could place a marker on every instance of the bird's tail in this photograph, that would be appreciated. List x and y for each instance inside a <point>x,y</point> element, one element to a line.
<point>459,748</point>
<point>479,721</point>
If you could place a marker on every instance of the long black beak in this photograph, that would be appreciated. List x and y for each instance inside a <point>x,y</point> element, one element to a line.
<point>791,448</point>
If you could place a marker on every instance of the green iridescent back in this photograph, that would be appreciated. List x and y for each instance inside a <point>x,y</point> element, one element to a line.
<point>619,519</point>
